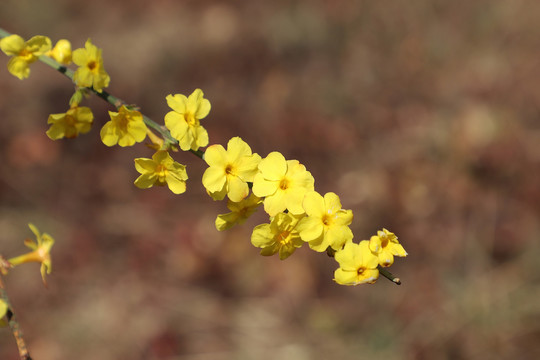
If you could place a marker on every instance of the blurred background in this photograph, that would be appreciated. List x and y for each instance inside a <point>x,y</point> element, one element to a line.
<point>422,116</point>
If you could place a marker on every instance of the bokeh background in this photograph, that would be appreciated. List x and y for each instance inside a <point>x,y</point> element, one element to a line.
<point>423,116</point>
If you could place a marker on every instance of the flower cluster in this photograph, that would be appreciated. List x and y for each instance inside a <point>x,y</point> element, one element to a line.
<point>285,188</point>
<point>298,214</point>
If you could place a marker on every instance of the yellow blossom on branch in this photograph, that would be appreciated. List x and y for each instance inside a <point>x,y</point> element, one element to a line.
<point>77,120</point>
<point>61,52</point>
<point>357,265</point>
<point>283,184</point>
<point>41,252</point>
<point>161,170</point>
<point>240,212</point>
<point>280,236</point>
<point>125,128</point>
<point>184,121</point>
<point>327,224</point>
<point>24,53</point>
<point>385,246</point>
<point>230,170</point>
<point>90,72</point>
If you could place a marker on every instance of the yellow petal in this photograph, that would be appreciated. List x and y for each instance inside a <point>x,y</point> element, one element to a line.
<point>263,187</point>
<point>12,45</point>
<point>38,45</point>
<point>313,204</point>
<point>175,183</point>
<point>216,156</point>
<point>145,181</point>
<point>214,179</point>
<point>18,67</point>
<point>262,236</point>
<point>238,189</point>
<point>274,166</point>
<point>310,228</point>
<point>177,102</point>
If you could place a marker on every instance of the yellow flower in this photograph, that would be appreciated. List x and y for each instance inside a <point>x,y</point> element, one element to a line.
<point>327,224</point>
<point>24,53</point>
<point>61,52</point>
<point>183,121</point>
<point>77,120</point>
<point>280,236</point>
<point>90,72</point>
<point>385,246</point>
<point>161,170</point>
<point>240,212</point>
<point>3,312</point>
<point>283,184</point>
<point>125,128</point>
<point>41,252</point>
<point>230,171</point>
<point>357,265</point>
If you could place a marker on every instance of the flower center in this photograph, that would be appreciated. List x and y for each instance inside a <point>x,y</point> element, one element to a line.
<point>384,241</point>
<point>327,219</point>
<point>161,171</point>
<point>70,120</point>
<point>360,271</point>
<point>123,123</point>
<point>229,169</point>
<point>284,184</point>
<point>25,54</point>
<point>92,65</point>
<point>284,237</point>
<point>191,119</point>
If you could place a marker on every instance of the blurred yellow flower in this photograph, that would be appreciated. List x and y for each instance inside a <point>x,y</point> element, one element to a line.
<point>280,236</point>
<point>90,72</point>
<point>61,52</point>
<point>161,170</point>
<point>41,252</point>
<point>24,53</point>
<point>385,246</point>
<point>125,128</point>
<point>357,265</point>
<point>283,184</point>
<point>327,224</point>
<point>230,170</point>
<point>3,312</point>
<point>184,120</point>
<point>240,212</point>
<point>77,120</point>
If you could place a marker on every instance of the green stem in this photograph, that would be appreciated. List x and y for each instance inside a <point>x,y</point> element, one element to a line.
<point>3,33</point>
<point>387,274</point>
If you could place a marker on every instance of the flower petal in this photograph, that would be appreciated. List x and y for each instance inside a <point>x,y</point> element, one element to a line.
<point>313,204</point>
<point>143,165</point>
<point>310,228</point>
<point>274,166</point>
<point>175,183</point>
<point>262,236</point>
<point>12,45</point>
<point>216,156</point>
<point>177,102</point>
<point>214,179</point>
<point>146,181</point>
<point>263,187</point>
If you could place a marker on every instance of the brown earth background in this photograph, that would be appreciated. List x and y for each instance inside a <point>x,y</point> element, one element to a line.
<point>423,116</point>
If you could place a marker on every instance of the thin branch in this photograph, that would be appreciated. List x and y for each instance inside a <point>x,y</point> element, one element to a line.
<point>387,274</point>
<point>14,325</point>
